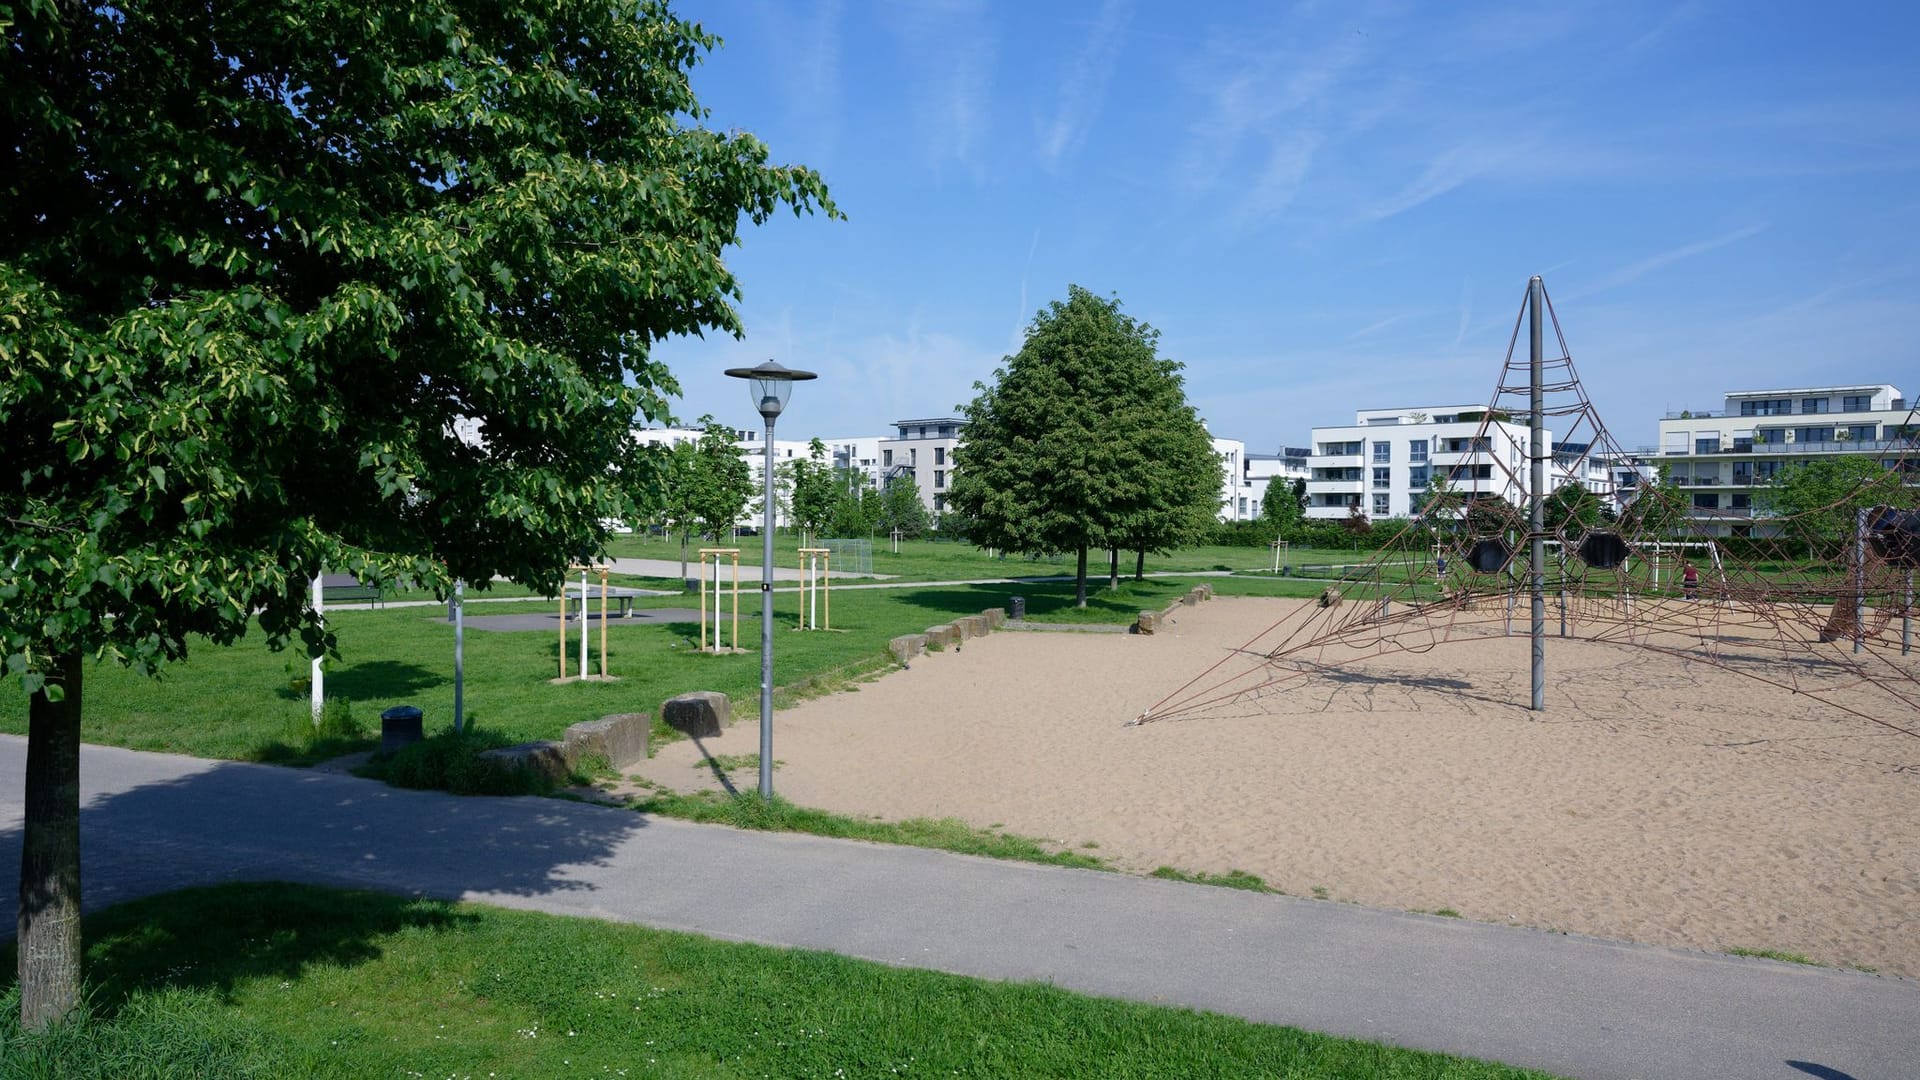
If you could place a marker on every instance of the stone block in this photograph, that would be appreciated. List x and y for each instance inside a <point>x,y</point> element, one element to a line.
<point>1148,622</point>
<point>699,715</point>
<point>1192,597</point>
<point>1330,597</point>
<point>621,739</point>
<point>907,646</point>
<point>995,617</point>
<point>543,759</point>
<point>974,625</point>
<point>942,636</point>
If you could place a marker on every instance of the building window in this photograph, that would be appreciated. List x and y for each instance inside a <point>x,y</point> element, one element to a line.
<point>1417,451</point>
<point>939,455</point>
<point>1767,407</point>
<point>939,478</point>
<point>1813,404</point>
<point>1706,501</point>
<point>1417,478</point>
<point>1814,434</point>
<point>1382,477</point>
<point>1380,506</point>
<point>886,459</point>
<point>1382,452</point>
<point>939,504</point>
<point>913,455</point>
<point>1856,403</point>
<point>1708,445</point>
<point>1741,501</point>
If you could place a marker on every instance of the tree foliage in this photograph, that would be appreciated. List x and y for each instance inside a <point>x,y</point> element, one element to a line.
<point>1819,500</point>
<point>265,271</point>
<point>720,482</point>
<point>815,489</point>
<point>1062,451</point>
<point>1285,505</point>
<point>899,507</point>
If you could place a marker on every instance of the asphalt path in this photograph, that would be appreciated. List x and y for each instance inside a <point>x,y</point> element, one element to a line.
<point>1578,1006</point>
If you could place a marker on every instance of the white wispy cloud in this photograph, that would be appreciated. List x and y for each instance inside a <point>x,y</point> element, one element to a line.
<point>953,50</point>
<point>1636,270</point>
<point>1085,86</point>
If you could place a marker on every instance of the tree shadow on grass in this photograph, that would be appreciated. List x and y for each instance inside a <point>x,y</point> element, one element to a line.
<point>374,680</point>
<point>217,937</point>
<point>152,824</point>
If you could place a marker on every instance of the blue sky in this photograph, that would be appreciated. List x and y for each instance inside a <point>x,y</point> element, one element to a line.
<point>1325,207</point>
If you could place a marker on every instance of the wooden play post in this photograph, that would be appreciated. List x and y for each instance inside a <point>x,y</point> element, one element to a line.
<point>815,585</point>
<point>714,555</point>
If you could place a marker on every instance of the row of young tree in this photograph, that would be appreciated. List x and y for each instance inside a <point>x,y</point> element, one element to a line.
<point>1085,441</point>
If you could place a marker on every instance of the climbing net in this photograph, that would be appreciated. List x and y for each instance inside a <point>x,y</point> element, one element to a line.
<point>1818,602</point>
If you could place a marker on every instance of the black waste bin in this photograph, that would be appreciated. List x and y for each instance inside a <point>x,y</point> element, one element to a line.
<point>399,726</point>
<point>1016,607</point>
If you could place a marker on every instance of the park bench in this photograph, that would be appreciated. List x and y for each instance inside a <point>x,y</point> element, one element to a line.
<point>347,589</point>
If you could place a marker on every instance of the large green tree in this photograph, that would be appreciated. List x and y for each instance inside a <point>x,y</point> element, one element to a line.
<point>720,481</point>
<point>1168,492</point>
<point>1819,500</point>
<point>815,487</point>
<point>1050,463</point>
<point>300,283</point>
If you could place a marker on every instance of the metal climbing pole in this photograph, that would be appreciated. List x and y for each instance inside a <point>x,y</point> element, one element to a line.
<point>1536,489</point>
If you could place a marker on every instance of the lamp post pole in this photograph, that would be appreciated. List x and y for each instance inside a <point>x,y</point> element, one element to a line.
<point>771,386</point>
<point>766,625</point>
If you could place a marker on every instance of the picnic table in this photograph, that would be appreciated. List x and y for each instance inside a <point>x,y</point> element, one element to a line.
<point>616,595</point>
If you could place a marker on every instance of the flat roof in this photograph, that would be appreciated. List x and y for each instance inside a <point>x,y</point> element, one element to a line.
<point>932,420</point>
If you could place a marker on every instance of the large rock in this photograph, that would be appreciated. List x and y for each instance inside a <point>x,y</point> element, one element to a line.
<point>907,646</point>
<point>700,714</point>
<point>940,637</point>
<point>544,759</point>
<point>621,739</point>
<point>1147,623</point>
<point>995,616</point>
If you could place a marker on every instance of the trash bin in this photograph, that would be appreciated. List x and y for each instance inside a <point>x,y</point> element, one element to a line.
<point>399,726</point>
<point>1016,607</point>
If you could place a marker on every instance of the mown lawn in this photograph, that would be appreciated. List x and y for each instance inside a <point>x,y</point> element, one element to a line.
<point>283,980</point>
<point>243,702</point>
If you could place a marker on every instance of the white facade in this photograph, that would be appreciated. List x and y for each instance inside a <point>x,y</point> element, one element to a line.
<point>857,453</point>
<point>922,452</point>
<point>1233,499</point>
<point>1259,472</point>
<point>1725,460</point>
<point>1383,461</point>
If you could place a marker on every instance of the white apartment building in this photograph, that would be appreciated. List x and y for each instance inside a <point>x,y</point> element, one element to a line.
<point>1724,459</point>
<point>923,453</point>
<point>1259,472</point>
<point>859,454</point>
<point>1383,462</point>
<point>1234,501</point>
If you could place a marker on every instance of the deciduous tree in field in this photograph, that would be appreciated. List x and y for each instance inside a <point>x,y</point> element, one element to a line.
<point>1084,440</point>
<point>264,269</point>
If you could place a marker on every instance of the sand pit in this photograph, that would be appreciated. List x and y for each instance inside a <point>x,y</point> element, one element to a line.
<point>1659,799</point>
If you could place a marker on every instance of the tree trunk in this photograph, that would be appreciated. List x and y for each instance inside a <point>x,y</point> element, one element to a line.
<point>49,920</point>
<point>1080,580</point>
<point>1140,565</point>
<point>684,536</point>
<point>1113,568</point>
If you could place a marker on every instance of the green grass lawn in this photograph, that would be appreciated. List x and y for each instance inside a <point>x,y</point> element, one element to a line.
<point>948,560</point>
<point>282,980</point>
<point>244,702</point>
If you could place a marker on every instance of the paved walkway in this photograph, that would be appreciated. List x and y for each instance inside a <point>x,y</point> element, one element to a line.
<point>1578,1006</point>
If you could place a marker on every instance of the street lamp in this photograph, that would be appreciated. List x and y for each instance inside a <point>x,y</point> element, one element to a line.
<point>771,384</point>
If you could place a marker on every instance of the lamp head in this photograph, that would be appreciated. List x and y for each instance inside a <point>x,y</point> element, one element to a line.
<point>771,385</point>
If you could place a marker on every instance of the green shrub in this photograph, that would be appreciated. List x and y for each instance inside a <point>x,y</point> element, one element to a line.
<point>450,761</point>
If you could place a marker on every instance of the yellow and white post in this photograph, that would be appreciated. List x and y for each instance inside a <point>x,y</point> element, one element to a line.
<point>712,556</point>
<point>815,588</point>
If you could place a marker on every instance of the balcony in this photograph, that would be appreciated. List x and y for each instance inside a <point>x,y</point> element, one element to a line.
<point>1335,487</point>
<point>1338,461</point>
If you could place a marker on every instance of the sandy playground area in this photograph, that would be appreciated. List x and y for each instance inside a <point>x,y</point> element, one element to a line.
<point>1658,799</point>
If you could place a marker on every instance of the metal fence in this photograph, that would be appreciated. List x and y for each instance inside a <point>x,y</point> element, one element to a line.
<point>849,556</point>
